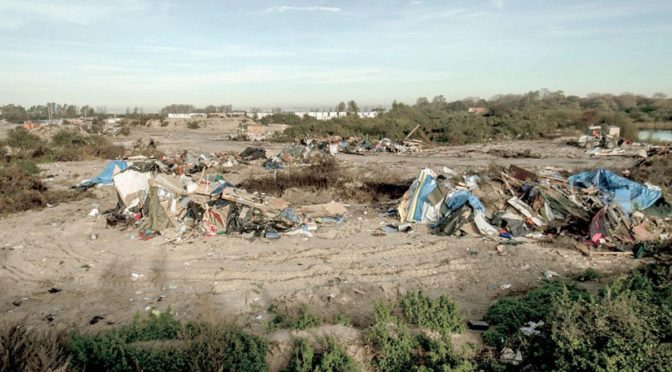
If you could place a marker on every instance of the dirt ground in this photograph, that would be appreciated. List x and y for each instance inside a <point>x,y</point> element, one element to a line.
<point>341,270</point>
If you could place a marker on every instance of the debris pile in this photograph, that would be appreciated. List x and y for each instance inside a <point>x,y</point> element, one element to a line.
<point>605,211</point>
<point>608,142</point>
<point>158,198</point>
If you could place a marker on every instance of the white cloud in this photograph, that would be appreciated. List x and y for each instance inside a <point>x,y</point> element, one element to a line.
<point>17,13</point>
<point>414,3</point>
<point>499,4</point>
<point>286,8</point>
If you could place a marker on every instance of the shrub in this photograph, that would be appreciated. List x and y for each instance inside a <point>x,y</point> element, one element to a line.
<point>19,190</point>
<point>330,357</point>
<point>439,315</point>
<point>589,275</point>
<point>302,357</point>
<point>20,138</point>
<point>161,343</point>
<point>507,315</point>
<point>391,339</point>
<point>628,326</point>
<point>193,125</point>
<point>396,349</point>
<point>297,318</point>
<point>28,166</point>
<point>225,347</point>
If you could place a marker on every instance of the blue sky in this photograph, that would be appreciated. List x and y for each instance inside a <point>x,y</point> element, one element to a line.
<point>300,53</point>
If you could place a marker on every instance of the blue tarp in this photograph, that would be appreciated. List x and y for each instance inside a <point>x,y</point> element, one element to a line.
<point>627,194</point>
<point>105,177</point>
<point>459,198</point>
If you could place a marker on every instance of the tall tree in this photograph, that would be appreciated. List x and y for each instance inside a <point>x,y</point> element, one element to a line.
<point>352,107</point>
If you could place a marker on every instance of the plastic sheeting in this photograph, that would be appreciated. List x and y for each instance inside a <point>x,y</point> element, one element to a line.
<point>106,176</point>
<point>627,194</point>
<point>460,197</point>
<point>415,206</point>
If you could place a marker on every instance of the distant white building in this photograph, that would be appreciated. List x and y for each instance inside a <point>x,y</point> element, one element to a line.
<point>319,115</point>
<point>181,115</point>
<point>113,121</point>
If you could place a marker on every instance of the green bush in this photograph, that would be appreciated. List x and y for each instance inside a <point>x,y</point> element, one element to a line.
<point>395,348</point>
<point>392,341</point>
<point>161,343</point>
<point>302,357</point>
<point>439,315</point>
<point>507,315</point>
<point>628,326</point>
<point>294,318</point>
<point>330,358</point>
<point>589,275</point>
<point>28,166</point>
<point>20,138</point>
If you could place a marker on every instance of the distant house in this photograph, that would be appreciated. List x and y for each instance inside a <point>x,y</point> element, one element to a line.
<point>477,110</point>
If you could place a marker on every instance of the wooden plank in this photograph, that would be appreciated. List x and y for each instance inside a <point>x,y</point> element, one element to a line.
<point>413,131</point>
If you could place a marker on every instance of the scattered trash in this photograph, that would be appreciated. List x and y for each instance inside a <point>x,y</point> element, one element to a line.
<point>96,319</point>
<point>531,328</point>
<point>548,274</point>
<point>508,356</point>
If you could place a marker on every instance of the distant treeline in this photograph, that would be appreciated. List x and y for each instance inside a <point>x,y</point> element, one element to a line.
<point>537,114</point>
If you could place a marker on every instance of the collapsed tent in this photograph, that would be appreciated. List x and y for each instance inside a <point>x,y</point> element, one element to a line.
<point>419,204</point>
<point>167,204</point>
<point>430,200</point>
<point>629,195</point>
<point>603,209</point>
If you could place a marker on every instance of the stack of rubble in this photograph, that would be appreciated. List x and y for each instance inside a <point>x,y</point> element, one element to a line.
<point>160,199</point>
<point>600,208</point>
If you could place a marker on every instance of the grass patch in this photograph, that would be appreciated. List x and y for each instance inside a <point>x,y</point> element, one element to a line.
<point>325,173</point>
<point>23,349</point>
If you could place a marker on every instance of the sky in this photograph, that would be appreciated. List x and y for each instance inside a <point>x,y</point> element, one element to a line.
<point>316,53</point>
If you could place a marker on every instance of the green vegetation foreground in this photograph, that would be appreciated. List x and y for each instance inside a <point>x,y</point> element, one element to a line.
<point>626,325</point>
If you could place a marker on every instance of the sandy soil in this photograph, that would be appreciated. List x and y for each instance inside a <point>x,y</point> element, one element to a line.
<point>343,269</point>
